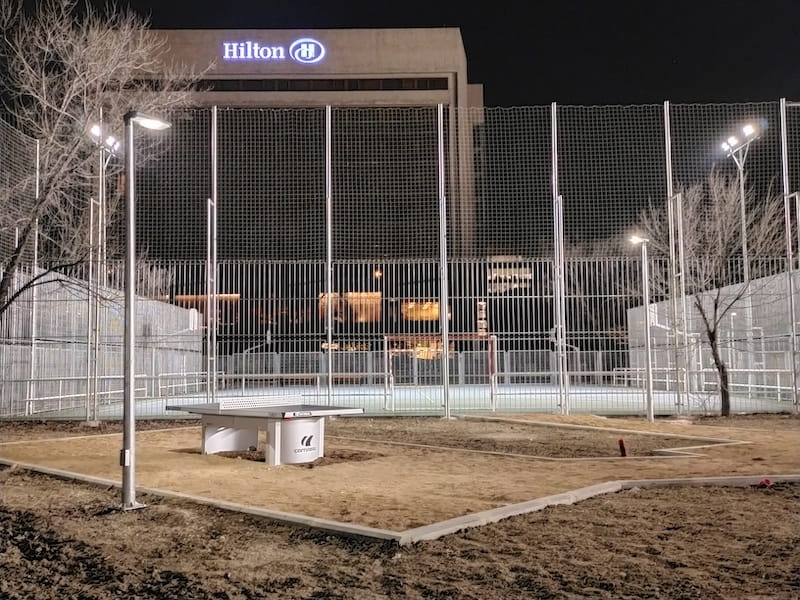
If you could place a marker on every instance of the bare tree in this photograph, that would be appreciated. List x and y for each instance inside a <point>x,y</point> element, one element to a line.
<point>712,241</point>
<point>64,68</point>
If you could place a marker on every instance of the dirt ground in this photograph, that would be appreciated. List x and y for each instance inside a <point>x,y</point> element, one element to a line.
<point>62,539</point>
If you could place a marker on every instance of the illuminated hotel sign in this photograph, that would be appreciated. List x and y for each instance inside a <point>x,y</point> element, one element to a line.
<point>306,51</point>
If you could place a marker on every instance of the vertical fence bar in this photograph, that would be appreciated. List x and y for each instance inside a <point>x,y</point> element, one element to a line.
<point>679,400</point>
<point>559,303</point>
<point>682,293</point>
<point>329,247</point>
<point>99,278</point>
<point>443,280</point>
<point>34,294</point>
<point>211,271</point>
<point>89,307</point>
<point>787,197</point>
<point>647,341</point>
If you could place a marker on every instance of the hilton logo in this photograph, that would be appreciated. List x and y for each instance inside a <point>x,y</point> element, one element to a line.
<point>306,51</point>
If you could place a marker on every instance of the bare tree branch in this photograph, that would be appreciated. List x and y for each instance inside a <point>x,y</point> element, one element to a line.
<point>713,273</point>
<point>39,279</point>
<point>63,67</point>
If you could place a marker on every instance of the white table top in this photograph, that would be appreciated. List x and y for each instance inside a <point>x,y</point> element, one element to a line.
<point>288,411</point>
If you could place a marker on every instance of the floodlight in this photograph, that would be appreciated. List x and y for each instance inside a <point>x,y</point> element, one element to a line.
<point>147,121</point>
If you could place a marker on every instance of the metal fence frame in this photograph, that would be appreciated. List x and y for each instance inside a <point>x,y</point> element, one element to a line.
<point>452,132</point>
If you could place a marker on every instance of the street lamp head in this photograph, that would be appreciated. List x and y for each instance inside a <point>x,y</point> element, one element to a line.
<point>636,239</point>
<point>146,121</point>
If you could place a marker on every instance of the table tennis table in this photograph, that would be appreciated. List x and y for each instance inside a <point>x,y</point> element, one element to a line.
<point>295,430</point>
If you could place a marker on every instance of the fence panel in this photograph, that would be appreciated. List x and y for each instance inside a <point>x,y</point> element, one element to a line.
<point>377,333</point>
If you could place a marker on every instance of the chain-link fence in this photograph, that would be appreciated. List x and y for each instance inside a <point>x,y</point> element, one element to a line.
<point>431,259</point>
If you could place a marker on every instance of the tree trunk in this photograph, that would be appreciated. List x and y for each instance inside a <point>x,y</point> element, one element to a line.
<point>724,390</point>
<point>722,374</point>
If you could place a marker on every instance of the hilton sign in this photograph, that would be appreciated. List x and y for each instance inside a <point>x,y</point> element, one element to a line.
<point>306,51</point>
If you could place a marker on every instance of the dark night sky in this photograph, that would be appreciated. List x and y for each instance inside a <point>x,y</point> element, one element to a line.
<point>568,51</point>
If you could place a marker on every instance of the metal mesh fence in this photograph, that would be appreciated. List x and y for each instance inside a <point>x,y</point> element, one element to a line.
<point>18,156</point>
<point>611,163</point>
<point>512,158</point>
<point>331,225</point>
<point>698,131</point>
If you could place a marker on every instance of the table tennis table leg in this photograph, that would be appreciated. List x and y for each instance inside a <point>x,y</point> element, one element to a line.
<point>217,438</point>
<point>274,442</point>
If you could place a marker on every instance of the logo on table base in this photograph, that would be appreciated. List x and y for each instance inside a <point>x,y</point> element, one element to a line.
<point>305,442</point>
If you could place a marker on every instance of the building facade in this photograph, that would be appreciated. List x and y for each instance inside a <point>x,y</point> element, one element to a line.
<point>339,67</point>
<point>373,69</point>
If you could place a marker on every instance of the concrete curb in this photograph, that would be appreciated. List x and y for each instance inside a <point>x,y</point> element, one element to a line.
<point>659,454</point>
<point>434,530</point>
<point>437,530</point>
<point>337,527</point>
<point>99,481</point>
<point>700,438</point>
<point>723,481</point>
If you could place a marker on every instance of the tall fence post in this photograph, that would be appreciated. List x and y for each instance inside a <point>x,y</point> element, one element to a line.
<point>34,295</point>
<point>559,302</point>
<point>679,322</point>
<point>787,197</point>
<point>211,270</point>
<point>329,247</point>
<point>443,279</point>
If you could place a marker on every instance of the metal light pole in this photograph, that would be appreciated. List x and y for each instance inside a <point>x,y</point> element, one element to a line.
<point>737,150</point>
<point>109,147</point>
<point>127,456</point>
<point>647,346</point>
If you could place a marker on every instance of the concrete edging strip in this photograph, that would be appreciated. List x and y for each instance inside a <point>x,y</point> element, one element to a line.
<point>722,481</point>
<point>284,517</point>
<point>437,530</point>
<point>99,481</point>
<point>292,518</point>
<point>700,438</point>
<point>434,530</point>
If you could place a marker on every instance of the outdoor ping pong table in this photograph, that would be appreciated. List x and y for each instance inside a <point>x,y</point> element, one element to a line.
<point>295,431</point>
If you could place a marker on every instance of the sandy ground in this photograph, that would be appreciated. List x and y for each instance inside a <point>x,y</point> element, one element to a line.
<point>62,539</point>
